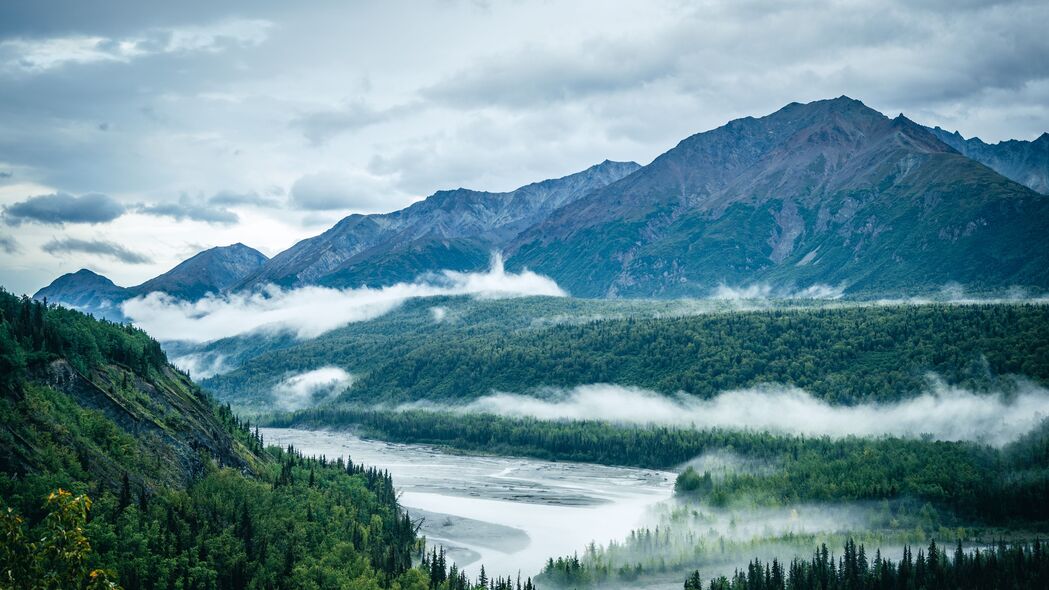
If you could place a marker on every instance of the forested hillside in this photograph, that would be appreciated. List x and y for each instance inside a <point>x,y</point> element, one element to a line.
<point>843,354</point>
<point>154,485</point>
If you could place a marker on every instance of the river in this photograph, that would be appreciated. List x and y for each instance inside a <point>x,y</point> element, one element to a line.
<point>507,513</point>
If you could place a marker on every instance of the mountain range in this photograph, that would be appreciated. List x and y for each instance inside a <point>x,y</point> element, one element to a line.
<point>829,193</point>
<point>211,271</point>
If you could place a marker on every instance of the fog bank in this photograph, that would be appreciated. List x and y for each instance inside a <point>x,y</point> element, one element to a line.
<point>944,412</point>
<point>765,291</point>
<point>308,312</point>
<point>304,389</point>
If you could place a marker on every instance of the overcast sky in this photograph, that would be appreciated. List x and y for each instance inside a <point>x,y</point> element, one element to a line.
<point>134,134</point>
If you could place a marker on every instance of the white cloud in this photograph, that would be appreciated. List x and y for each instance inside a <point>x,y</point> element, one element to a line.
<point>765,291</point>
<point>201,365</point>
<point>40,55</point>
<point>308,312</point>
<point>945,412</point>
<point>439,313</point>
<point>307,388</point>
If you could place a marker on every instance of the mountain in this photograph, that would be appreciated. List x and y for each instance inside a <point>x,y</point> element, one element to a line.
<point>830,197</point>
<point>831,192</point>
<point>210,271</point>
<point>88,291</point>
<point>1026,162</point>
<point>454,229</point>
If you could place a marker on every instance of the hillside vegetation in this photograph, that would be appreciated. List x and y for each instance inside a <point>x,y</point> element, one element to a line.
<point>843,354</point>
<point>182,494</point>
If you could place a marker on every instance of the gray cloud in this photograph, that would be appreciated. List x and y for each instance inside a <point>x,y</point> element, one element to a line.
<point>105,248</point>
<point>539,75</point>
<point>9,245</point>
<point>37,55</point>
<point>320,126</point>
<point>60,208</point>
<point>232,199</point>
<point>187,209</point>
<point>326,191</point>
<point>5,174</point>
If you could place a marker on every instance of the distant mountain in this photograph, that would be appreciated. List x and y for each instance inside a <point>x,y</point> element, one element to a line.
<point>454,229</point>
<point>829,192</point>
<point>1026,162</point>
<point>826,194</point>
<point>210,271</point>
<point>87,291</point>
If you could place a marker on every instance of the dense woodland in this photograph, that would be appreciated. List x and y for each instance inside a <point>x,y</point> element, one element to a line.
<point>166,488</point>
<point>845,354</point>
<point>136,511</point>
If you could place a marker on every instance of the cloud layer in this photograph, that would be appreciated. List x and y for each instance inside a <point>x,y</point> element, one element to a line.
<point>59,247</point>
<point>307,388</point>
<point>308,312</point>
<point>60,208</point>
<point>766,291</point>
<point>945,412</point>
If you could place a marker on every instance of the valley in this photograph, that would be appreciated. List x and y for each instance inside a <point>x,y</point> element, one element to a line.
<point>808,349</point>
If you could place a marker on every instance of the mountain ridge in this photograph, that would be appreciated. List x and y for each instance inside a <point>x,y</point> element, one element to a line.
<point>452,229</point>
<point>1026,162</point>
<point>806,195</point>
<point>209,271</point>
<point>827,193</point>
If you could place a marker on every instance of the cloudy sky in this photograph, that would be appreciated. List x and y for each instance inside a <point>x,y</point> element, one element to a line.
<point>133,134</point>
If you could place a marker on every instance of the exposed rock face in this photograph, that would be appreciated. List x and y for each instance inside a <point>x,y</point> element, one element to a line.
<point>148,416</point>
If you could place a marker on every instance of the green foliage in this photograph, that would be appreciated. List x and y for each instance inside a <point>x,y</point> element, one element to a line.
<point>691,483</point>
<point>55,554</point>
<point>33,333</point>
<point>847,355</point>
<point>186,496</point>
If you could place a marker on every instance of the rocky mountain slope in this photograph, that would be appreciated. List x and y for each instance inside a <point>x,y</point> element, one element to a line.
<point>1026,162</point>
<point>831,192</point>
<point>828,198</point>
<point>454,229</point>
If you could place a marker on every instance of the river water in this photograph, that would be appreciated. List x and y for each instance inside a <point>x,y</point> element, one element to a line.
<point>509,514</point>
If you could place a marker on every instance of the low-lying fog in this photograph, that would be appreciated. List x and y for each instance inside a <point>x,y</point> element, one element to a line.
<point>943,412</point>
<point>513,514</point>
<point>509,514</point>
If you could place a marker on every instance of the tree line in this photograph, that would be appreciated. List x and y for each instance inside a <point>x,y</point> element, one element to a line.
<point>1017,565</point>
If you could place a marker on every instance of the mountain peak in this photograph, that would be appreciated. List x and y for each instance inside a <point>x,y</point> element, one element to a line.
<point>85,289</point>
<point>85,273</point>
<point>210,271</point>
